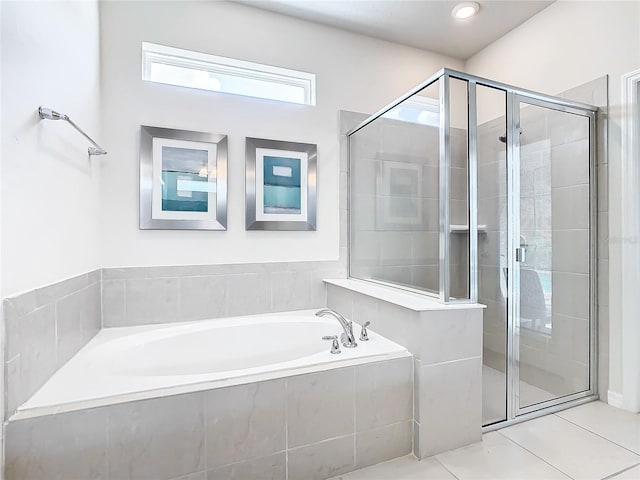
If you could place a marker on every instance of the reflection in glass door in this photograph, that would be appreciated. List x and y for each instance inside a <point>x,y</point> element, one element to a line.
<point>552,255</point>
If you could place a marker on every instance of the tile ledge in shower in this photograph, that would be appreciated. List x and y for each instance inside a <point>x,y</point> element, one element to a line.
<point>396,296</point>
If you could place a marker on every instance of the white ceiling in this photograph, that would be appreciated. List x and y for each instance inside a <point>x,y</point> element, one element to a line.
<point>425,24</point>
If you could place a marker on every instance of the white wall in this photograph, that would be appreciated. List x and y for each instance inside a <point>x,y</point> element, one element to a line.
<point>353,73</point>
<point>50,57</point>
<point>568,44</point>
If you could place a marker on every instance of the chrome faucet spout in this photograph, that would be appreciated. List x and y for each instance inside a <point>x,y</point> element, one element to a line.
<point>348,339</point>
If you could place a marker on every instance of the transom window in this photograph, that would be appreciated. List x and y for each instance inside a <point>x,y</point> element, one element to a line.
<point>185,68</point>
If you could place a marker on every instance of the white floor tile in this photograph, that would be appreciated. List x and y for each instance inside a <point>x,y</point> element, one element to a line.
<point>404,468</point>
<point>631,474</point>
<point>497,458</point>
<point>571,449</point>
<point>618,426</point>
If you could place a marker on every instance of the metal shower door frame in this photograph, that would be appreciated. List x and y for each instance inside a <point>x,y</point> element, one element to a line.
<point>514,411</point>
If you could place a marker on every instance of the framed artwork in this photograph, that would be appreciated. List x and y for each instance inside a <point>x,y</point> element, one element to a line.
<point>183,180</point>
<point>399,192</point>
<point>280,185</point>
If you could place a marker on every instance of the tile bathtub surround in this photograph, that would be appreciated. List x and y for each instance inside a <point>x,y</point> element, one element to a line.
<point>44,329</point>
<point>446,343</point>
<point>306,427</point>
<point>143,295</point>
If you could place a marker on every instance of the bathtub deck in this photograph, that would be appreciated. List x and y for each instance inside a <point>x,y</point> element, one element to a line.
<point>99,375</point>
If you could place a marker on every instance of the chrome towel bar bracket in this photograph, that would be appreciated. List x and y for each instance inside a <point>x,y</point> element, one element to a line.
<point>50,114</point>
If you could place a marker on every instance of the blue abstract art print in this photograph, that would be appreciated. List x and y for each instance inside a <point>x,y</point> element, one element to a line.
<point>282,185</point>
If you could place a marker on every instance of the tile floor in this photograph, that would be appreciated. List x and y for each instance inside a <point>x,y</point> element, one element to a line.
<point>592,441</point>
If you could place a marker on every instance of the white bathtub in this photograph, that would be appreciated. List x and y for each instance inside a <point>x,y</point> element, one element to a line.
<point>133,363</point>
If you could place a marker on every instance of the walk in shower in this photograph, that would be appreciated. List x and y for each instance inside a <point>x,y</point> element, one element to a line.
<point>469,190</point>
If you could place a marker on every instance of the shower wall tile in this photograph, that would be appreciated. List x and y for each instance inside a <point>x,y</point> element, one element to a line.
<point>430,181</point>
<point>569,164</point>
<point>399,275</point>
<point>425,248</point>
<point>364,176</point>
<point>365,204</point>
<point>565,214</point>
<point>426,277</point>
<point>570,291</point>
<point>395,248</point>
<point>574,248</point>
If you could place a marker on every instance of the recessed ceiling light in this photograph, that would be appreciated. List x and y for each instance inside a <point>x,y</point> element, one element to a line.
<point>465,10</point>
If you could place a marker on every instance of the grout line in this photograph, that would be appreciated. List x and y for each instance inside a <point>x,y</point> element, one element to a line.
<point>596,434</point>
<point>286,429</point>
<point>435,457</point>
<point>204,440</point>
<point>613,475</point>
<point>124,304</point>
<point>106,447</point>
<point>321,441</point>
<point>355,418</point>
<point>539,458</point>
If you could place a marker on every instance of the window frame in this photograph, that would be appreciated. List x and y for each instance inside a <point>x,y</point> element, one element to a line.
<point>204,62</point>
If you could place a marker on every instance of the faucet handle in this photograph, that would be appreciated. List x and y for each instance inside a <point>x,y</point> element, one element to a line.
<point>364,335</point>
<point>335,346</point>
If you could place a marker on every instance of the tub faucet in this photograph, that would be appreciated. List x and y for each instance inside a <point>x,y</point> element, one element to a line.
<point>348,340</point>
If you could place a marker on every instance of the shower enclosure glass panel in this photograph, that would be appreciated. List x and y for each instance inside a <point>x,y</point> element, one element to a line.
<point>394,203</point>
<point>553,254</point>
<point>459,190</point>
<point>472,190</point>
<point>492,249</point>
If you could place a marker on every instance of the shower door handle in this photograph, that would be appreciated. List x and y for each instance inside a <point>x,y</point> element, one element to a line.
<point>521,254</point>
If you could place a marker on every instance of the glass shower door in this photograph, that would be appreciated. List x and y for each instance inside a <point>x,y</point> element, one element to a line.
<point>552,244</point>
